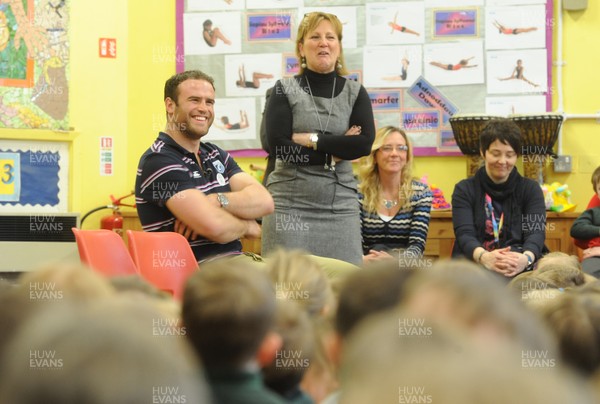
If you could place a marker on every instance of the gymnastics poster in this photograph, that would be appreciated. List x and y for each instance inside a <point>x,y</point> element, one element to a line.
<point>421,61</point>
<point>403,65</point>
<point>456,63</point>
<point>34,65</point>
<point>519,71</point>
<point>235,119</point>
<point>515,27</point>
<point>395,23</point>
<point>212,33</point>
<point>248,75</point>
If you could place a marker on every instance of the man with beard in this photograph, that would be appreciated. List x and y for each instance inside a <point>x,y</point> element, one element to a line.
<point>193,187</point>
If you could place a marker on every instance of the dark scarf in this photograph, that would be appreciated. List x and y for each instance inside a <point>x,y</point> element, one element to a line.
<point>507,194</point>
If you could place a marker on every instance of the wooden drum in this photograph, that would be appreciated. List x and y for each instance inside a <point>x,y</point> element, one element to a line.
<point>540,133</point>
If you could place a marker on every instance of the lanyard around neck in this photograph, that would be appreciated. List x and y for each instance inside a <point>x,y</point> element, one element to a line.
<point>496,226</point>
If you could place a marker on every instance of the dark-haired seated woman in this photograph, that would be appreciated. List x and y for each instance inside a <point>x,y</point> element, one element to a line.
<point>499,217</point>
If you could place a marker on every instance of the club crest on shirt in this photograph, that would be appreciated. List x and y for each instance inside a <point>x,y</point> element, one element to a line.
<point>219,166</point>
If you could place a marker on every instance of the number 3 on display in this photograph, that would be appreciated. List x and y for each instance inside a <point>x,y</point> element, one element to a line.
<point>10,177</point>
<point>8,174</point>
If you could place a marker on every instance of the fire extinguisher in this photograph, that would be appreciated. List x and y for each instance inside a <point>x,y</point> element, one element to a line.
<point>114,221</point>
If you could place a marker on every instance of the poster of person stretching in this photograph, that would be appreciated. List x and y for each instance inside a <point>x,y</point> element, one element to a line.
<point>515,27</point>
<point>212,33</point>
<point>402,67</point>
<point>520,71</point>
<point>454,63</point>
<point>395,23</point>
<point>235,119</point>
<point>251,75</point>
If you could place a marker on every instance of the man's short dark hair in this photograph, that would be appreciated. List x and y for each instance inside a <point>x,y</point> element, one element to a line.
<point>503,130</point>
<point>172,84</point>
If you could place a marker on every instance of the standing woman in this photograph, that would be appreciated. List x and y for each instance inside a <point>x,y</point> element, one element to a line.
<point>499,217</point>
<point>395,207</point>
<point>316,123</point>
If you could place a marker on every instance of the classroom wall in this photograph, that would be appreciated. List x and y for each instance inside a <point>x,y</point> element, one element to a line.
<point>151,59</point>
<point>119,97</point>
<point>122,98</point>
<point>98,102</point>
<point>581,85</point>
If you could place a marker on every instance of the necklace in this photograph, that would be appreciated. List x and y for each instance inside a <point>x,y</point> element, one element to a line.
<point>315,105</point>
<point>389,204</point>
<point>332,167</point>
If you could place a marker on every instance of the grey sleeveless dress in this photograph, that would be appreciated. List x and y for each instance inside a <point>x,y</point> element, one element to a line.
<point>316,209</point>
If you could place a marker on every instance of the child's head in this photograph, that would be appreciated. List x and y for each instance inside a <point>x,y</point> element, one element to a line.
<point>220,301</point>
<point>296,276</point>
<point>596,181</point>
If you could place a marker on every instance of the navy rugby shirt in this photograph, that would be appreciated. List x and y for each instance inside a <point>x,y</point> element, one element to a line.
<point>166,169</point>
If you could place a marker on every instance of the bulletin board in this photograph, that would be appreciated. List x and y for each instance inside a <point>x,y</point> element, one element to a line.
<point>420,61</point>
<point>34,61</point>
<point>34,176</point>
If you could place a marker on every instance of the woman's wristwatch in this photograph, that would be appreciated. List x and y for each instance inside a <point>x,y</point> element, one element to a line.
<point>529,260</point>
<point>313,138</point>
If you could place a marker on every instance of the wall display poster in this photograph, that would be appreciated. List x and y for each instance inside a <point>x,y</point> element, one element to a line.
<point>421,61</point>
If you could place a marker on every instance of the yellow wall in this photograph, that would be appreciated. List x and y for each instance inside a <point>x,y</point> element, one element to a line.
<point>119,97</point>
<point>122,98</point>
<point>581,85</point>
<point>98,102</point>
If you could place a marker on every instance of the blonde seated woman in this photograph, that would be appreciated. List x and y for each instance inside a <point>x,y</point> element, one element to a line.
<point>395,206</point>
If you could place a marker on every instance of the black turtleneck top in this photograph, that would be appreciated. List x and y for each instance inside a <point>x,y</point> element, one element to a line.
<point>279,120</point>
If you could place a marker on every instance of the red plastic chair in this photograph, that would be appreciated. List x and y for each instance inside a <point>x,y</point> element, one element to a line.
<point>104,251</point>
<point>164,259</point>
